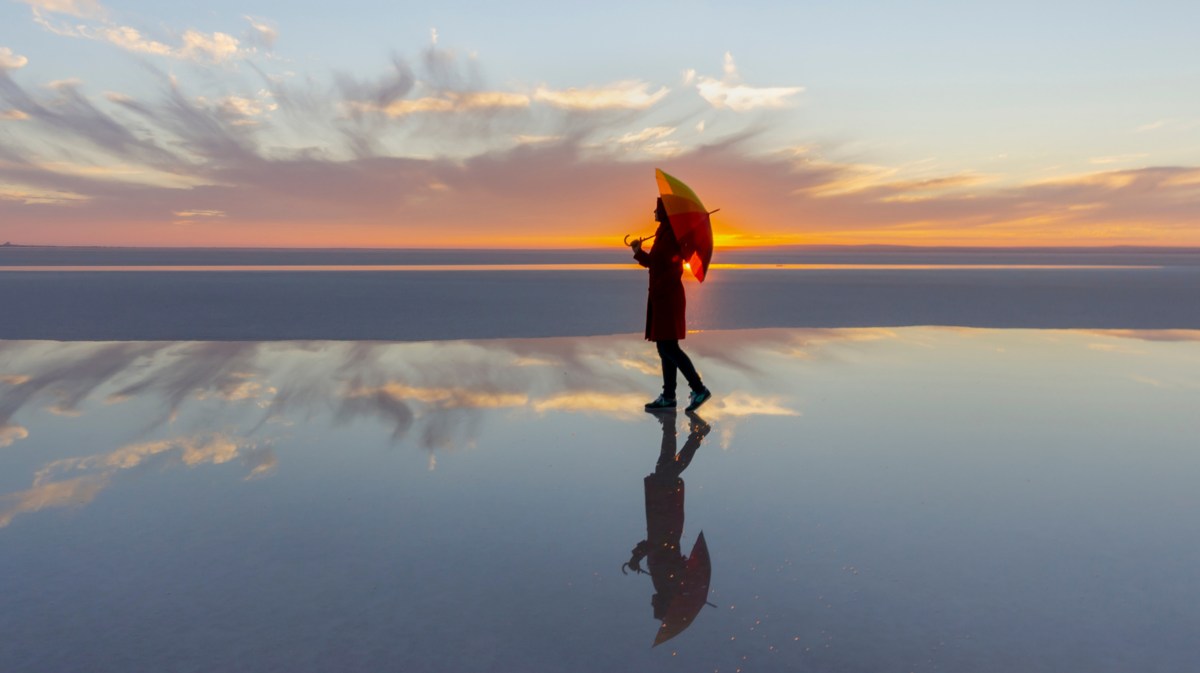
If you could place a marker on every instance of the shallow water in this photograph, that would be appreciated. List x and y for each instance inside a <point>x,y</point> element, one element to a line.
<point>917,499</point>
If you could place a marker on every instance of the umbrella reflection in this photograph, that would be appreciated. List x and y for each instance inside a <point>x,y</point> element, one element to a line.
<point>680,582</point>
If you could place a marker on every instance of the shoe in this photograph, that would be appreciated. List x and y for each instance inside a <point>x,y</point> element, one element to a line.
<point>662,402</point>
<point>699,398</point>
<point>697,426</point>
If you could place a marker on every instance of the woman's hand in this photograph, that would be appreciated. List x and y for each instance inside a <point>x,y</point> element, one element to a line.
<point>636,245</point>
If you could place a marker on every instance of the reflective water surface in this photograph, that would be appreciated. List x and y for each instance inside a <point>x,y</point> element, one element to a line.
<point>915,499</point>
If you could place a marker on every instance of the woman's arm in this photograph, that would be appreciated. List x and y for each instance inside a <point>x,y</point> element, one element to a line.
<point>640,255</point>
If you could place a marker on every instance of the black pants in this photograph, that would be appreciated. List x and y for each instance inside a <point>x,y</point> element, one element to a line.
<point>674,359</point>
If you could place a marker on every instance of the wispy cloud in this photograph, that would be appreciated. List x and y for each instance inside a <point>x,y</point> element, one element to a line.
<point>11,61</point>
<point>215,47</point>
<point>200,213</point>
<point>10,433</point>
<point>428,146</point>
<point>52,488</point>
<point>729,92</point>
<point>206,449</point>
<point>192,45</point>
<point>1118,159</point>
<point>69,493</point>
<point>129,39</point>
<point>34,196</point>
<point>1172,124</point>
<point>262,32</point>
<point>447,102</point>
<point>79,8</point>
<point>625,95</point>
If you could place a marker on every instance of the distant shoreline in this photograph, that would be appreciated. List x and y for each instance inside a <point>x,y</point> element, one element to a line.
<point>13,256</point>
<point>871,248</point>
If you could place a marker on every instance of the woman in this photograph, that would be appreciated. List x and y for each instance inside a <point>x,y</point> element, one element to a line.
<point>665,307</point>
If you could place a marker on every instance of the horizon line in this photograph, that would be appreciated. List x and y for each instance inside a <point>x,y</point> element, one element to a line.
<point>790,246</point>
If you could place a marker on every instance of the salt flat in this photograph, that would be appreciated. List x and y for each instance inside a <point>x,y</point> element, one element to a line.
<point>416,305</point>
<point>873,499</point>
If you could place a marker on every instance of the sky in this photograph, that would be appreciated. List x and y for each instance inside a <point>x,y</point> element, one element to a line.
<point>539,124</point>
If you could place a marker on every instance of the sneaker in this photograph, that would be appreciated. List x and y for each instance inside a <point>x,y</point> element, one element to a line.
<point>699,398</point>
<point>697,426</point>
<point>662,402</point>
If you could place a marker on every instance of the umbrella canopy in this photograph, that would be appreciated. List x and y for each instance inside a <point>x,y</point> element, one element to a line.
<point>692,595</point>
<point>690,222</point>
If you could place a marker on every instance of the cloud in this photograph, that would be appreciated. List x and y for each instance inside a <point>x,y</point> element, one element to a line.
<point>261,32</point>
<point>445,397</point>
<point>130,39</point>
<point>70,493</point>
<point>195,216</point>
<point>1169,335</point>
<point>33,196</point>
<point>208,449</point>
<point>729,93</point>
<point>448,102</point>
<point>647,134</point>
<point>68,113</point>
<point>69,378</point>
<point>214,47</point>
<point>80,8</point>
<point>11,433</point>
<point>193,45</point>
<point>200,213</point>
<point>416,153</point>
<point>619,405</point>
<point>11,61</point>
<point>246,107</point>
<point>740,404</point>
<point>625,95</point>
<point>49,492</point>
<point>1118,159</point>
<point>1173,124</point>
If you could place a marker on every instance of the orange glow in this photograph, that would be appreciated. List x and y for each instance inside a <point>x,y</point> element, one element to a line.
<point>749,217</point>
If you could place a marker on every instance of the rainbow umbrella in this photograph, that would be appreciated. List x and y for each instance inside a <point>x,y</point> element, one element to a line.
<point>690,222</point>
<point>692,594</point>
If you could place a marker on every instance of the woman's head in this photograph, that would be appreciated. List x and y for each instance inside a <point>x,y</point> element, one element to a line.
<point>660,213</point>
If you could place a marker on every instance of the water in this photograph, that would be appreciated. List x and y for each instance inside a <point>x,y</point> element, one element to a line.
<point>916,499</point>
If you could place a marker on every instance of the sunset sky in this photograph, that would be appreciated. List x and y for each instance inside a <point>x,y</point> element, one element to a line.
<point>539,124</point>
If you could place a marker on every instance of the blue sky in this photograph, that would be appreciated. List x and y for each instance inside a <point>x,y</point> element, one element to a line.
<point>994,96</point>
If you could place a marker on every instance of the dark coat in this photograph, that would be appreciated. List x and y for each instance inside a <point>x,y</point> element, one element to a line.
<point>666,302</point>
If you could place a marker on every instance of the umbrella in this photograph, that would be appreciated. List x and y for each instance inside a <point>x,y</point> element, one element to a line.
<point>689,221</point>
<point>692,594</point>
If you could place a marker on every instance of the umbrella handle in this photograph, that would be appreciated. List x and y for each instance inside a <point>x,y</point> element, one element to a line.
<point>626,239</point>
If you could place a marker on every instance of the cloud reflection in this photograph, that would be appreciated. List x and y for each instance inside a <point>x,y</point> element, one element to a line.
<point>400,384</point>
<point>434,396</point>
<point>211,449</point>
<point>11,433</point>
<point>70,493</point>
<point>49,490</point>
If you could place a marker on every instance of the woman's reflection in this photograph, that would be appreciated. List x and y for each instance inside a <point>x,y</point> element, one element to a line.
<point>680,582</point>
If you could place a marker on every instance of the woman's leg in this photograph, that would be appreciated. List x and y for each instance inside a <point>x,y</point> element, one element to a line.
<point>670,351</point>
<point>668,367</point>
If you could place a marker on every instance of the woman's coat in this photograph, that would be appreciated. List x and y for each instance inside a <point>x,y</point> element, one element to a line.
<point>666,303</point>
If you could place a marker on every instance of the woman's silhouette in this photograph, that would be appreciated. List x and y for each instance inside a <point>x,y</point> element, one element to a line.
<point>666,305</point>
<point>680,582</point>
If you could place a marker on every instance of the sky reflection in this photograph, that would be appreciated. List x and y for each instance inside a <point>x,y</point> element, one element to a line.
<point>917,498</point>
<point>431,395</point>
